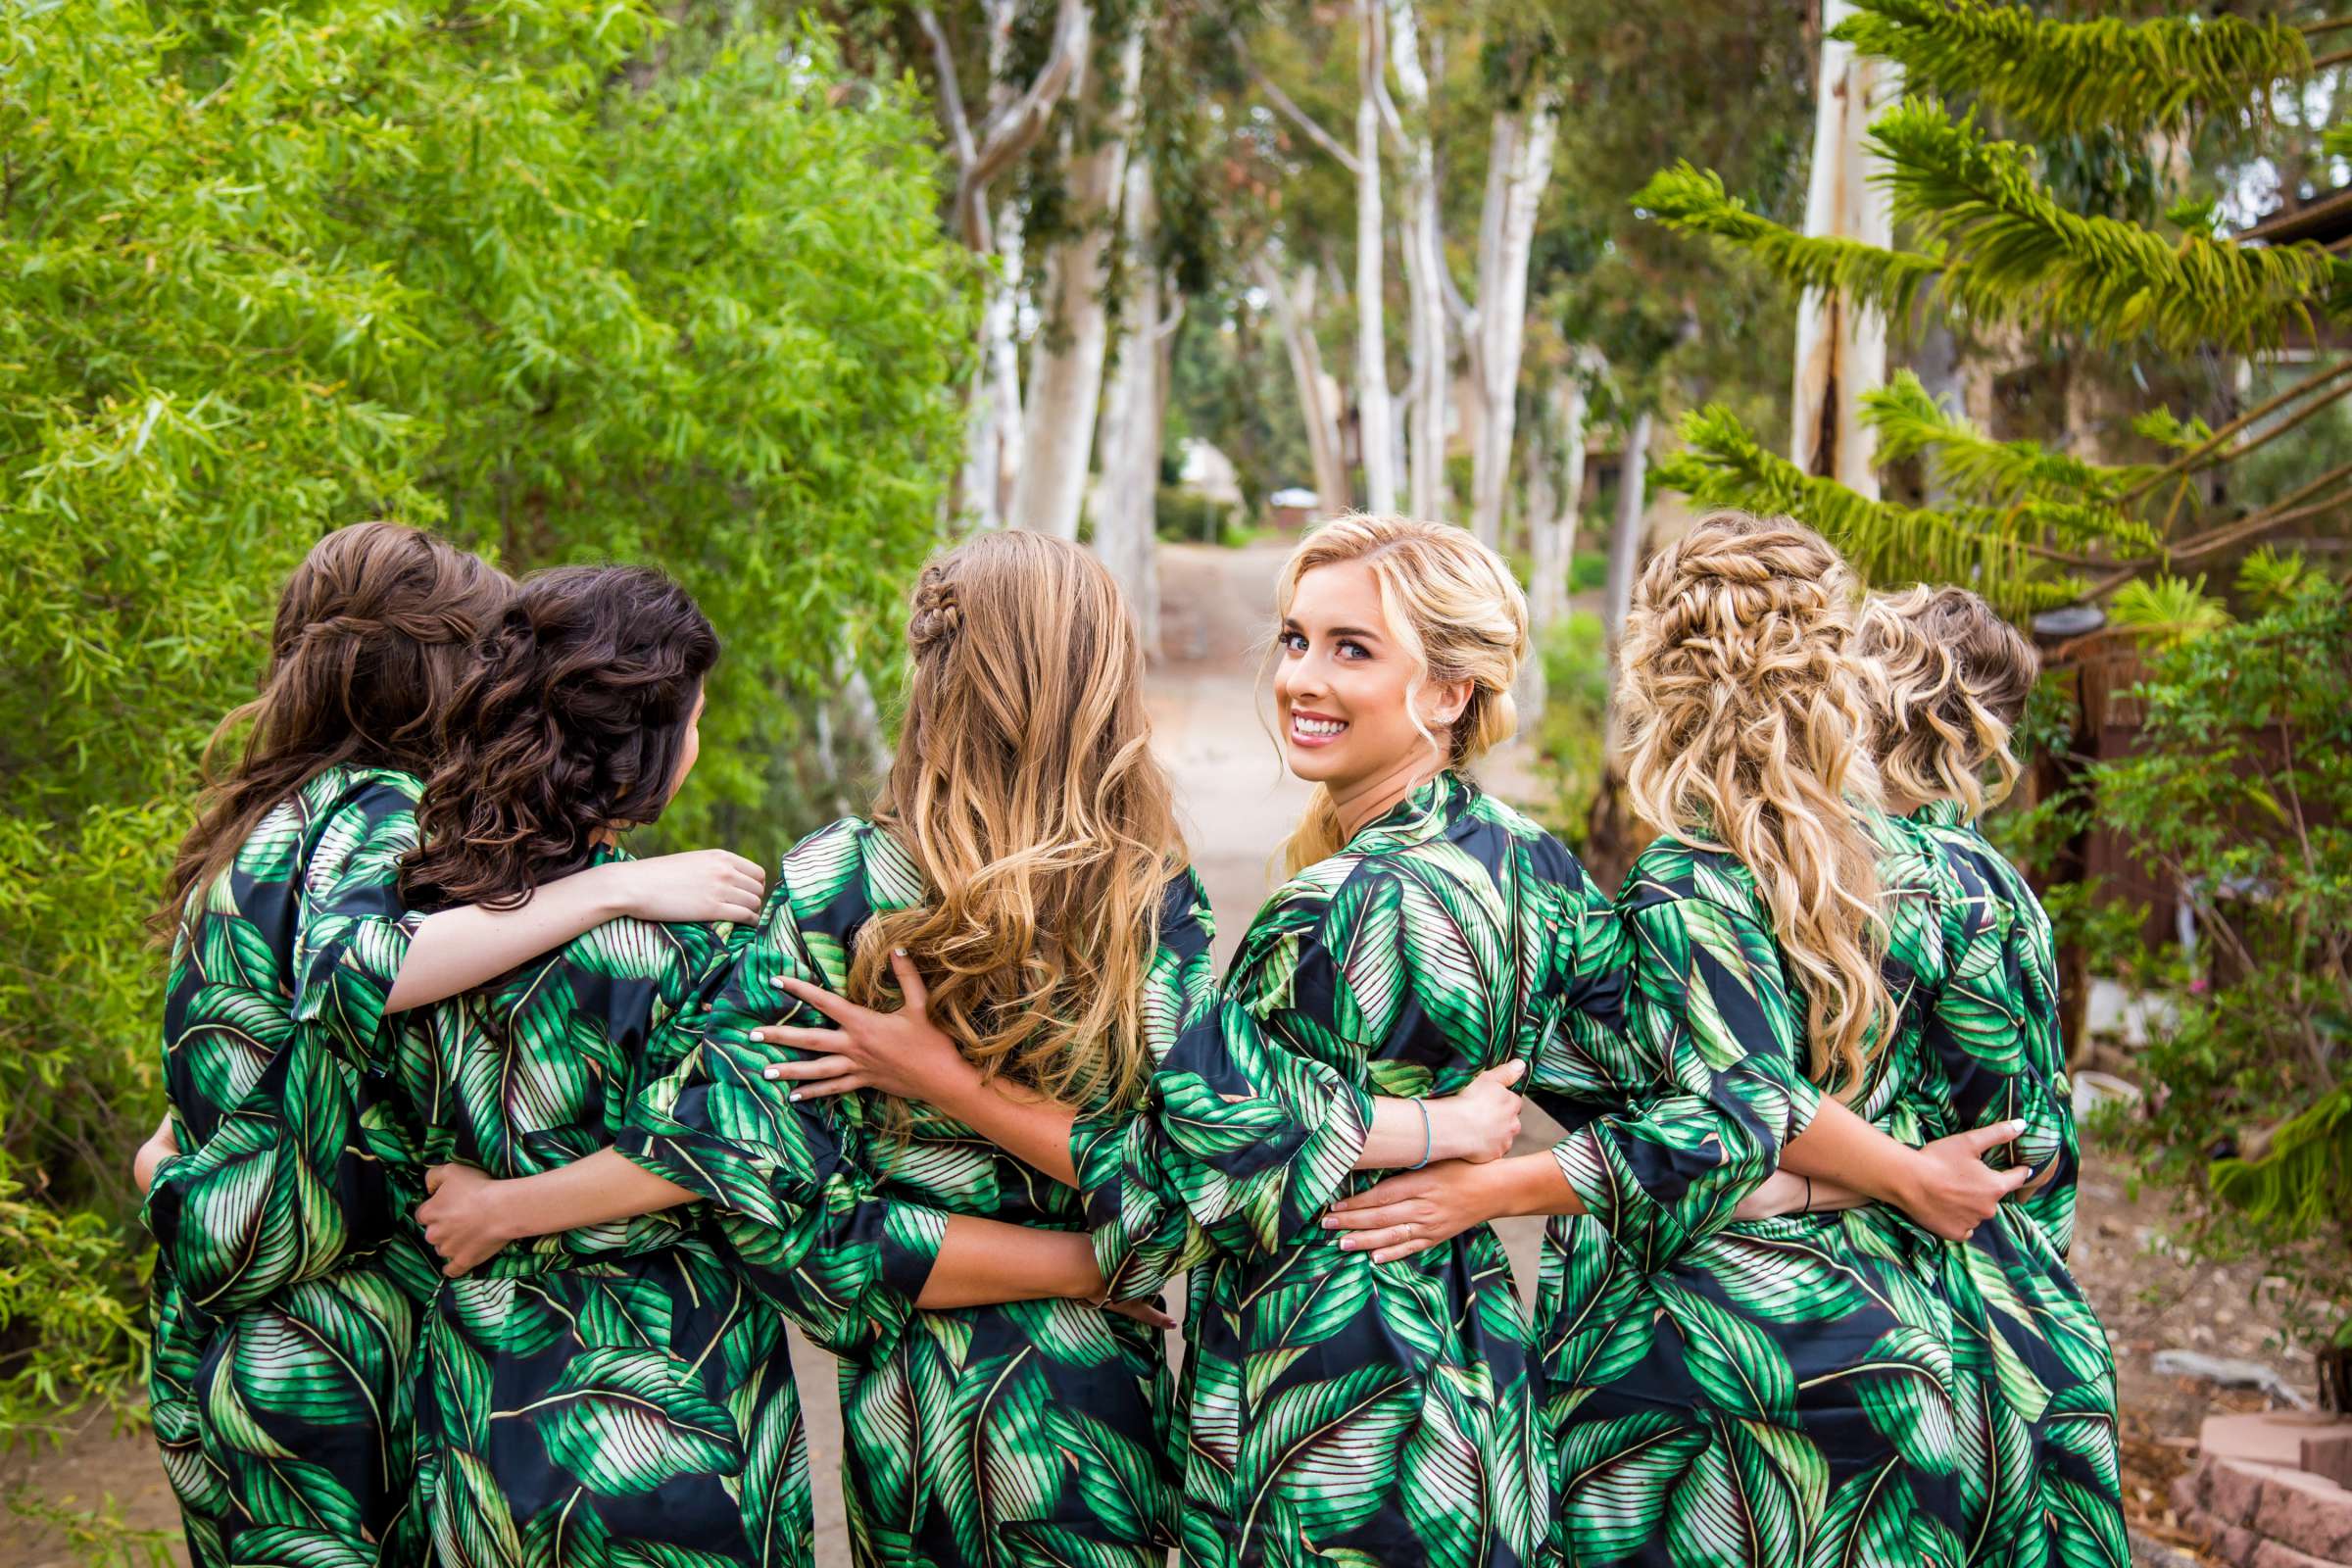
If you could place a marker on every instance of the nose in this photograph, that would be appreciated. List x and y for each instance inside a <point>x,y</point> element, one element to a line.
<point>1300,679</point>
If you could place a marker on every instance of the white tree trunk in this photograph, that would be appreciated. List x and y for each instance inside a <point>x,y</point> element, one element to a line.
<point>1124,499</point>
<point>1551,525</point>
<point>1625,539</point>
<point>993,425</point>
<point>1420,236</point>
<point>1065,366</point>
<point>1840,346</point>
<point>1375,416</point>
<point>1294,314</point>
<point>1522,153</point>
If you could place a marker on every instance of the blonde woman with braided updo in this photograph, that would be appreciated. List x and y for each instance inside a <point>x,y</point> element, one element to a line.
<point>1341,1408</point>
<point>1723,1386</point>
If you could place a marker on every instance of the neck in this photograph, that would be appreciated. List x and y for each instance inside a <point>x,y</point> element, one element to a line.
<point>1900,804</point>
<point>1360,801</point>
<point>607,836</point>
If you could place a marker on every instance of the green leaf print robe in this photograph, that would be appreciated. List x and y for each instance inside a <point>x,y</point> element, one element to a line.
<point>1338,1410</point>
<point>1034,1433</point>
<point>286,1283</point>
<point>1822,1390</point>
<point>614,1396</point>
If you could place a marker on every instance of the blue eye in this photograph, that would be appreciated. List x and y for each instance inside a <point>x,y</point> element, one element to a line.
<point>1295,641</point>
<point>1354,649</point>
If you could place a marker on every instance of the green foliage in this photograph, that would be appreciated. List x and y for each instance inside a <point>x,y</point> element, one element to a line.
<point>1995,548</point>
<point>2112,73</point>
<point>1694,201</point>
<point>2018,255</point>
<point>1571,744</point>
<point>1186,517</point>
<point>2241,794</point>
<point>1909,423</point>
<point>572,286</point>
<point>2163,609</point>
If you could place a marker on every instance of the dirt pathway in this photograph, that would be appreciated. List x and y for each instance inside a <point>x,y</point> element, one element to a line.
<point>1237,803</point>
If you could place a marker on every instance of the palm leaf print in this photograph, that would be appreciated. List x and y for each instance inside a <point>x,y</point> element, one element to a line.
<point>626,1421</point>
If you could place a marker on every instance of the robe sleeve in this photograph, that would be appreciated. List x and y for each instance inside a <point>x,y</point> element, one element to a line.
<point>1710,1003</point>
<point>1139,1251</point>
<point>1256,1116</point>
<point>1994,1039</point>
<point>355,931</point>
<point>790,1195</point>
<point>289,1186</point>
<point>1585,1062</point>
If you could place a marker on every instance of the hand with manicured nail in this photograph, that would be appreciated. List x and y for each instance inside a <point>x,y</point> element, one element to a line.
<point>901,1053</point>
<point>1948,1188</point>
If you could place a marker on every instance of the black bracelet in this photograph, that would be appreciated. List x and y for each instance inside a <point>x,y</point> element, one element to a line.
<point>1808,1209</point>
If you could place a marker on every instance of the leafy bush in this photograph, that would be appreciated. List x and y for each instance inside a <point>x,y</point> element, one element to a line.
<point>2241,794</point>
<point>573,285</point>
<point>1185,516</point>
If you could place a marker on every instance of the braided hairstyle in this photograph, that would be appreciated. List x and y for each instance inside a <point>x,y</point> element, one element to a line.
<point>1949,678</point>
<point>1024,788</point>
<point>574,724</point>
<point>375,631</point>
<point>1748,727</point>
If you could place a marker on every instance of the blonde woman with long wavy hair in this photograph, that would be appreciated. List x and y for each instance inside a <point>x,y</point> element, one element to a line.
<point>1735,1375</point>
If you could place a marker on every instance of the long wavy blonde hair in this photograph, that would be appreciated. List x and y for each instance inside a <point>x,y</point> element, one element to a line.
<point>1747,727</point>
<point>1454,607</point>
<point>1025,789</point>
<point>1949,679</point>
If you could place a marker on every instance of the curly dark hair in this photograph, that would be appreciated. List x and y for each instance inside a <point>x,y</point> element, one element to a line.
<point>573,723</point>
<point>375,631</point>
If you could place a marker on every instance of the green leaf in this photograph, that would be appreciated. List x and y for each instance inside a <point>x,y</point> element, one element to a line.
<point>627,1421</point>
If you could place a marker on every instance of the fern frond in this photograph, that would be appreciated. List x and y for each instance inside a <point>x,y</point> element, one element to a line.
<point>2271,580</point>
<point>1909,423</point>
<point>1986,548</point>
<point>2166,429</point>
<point>2013,254</point>
<point>2129,76</point>
<point>1693,201</point>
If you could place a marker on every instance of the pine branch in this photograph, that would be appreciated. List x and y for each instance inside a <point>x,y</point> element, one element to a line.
<point>1993,549</point>
<point>1693,201</point>
<point>2131,76</point>
<point>2016,255</point>
<point>1909,423</point>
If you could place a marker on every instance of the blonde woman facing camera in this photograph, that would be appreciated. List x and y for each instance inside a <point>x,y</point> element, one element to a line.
<point>1427,939</point>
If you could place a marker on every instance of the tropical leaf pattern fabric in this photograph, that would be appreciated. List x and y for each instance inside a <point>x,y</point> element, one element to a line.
<point>286,1286</point>
<point>1338,1410</point>
<point>1030,1434</point>
<point>1820,1389</point>
<point>606,1397</point>
<point>2042,1093</point>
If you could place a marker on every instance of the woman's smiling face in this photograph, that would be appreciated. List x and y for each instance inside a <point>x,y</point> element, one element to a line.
<point>1344,686</point>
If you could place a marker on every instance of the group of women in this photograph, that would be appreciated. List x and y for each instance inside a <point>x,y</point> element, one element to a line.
<point>497,1159</point>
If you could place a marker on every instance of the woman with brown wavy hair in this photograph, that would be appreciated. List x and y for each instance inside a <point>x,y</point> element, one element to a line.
<point>286,1276</point>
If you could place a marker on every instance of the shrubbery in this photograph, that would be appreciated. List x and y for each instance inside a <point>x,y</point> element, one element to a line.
<point>562,280</point>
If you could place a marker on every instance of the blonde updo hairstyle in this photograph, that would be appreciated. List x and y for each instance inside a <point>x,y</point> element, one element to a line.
<point>1025,789</point>
<point>1951,679</point>
<point>1453,609</point>
<point>1747,727</point>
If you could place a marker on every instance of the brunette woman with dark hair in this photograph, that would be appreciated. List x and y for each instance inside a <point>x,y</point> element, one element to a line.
<point>617,1383</point>
<point>286,1277</point>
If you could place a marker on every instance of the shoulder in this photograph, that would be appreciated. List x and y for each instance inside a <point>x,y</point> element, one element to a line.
<point>846,870</point>
<point>1184,906</point>
<point>1677,870</point>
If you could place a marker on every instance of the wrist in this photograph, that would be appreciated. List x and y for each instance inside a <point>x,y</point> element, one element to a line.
<point>1081,1280</point>
<point>609,891</point>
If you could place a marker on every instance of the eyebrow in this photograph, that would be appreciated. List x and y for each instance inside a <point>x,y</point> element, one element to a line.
<point>1356,632</point>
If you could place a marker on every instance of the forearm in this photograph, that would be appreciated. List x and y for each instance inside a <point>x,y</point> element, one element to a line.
<point>457,949</point>
<point>984,1262</point>
<point>1841,1147</point>
<point>1029,1127</point>
<point>599,1189</point>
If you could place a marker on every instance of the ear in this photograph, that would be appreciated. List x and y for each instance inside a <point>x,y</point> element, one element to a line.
<point>1444,702</point>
